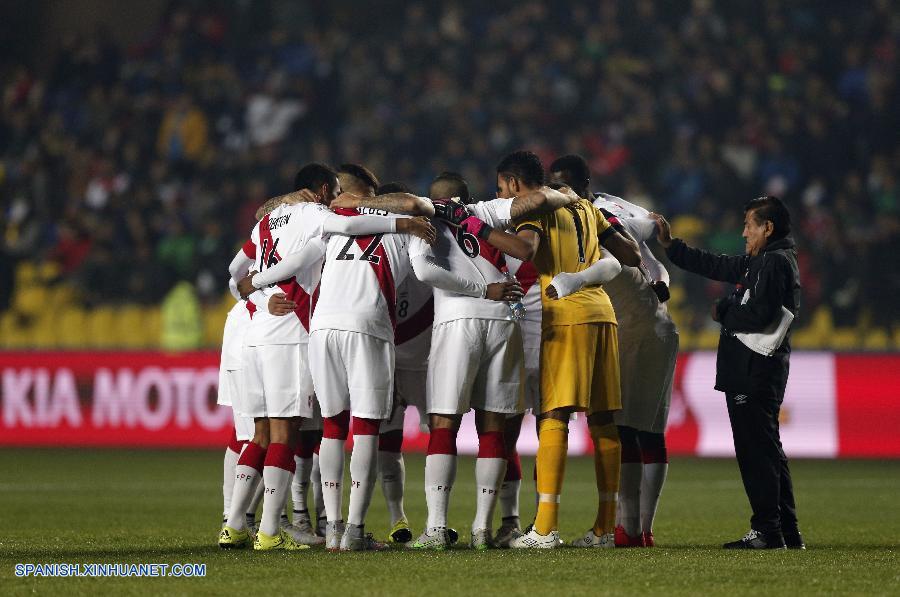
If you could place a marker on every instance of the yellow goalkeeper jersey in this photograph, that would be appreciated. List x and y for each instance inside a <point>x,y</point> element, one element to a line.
<point>570,242</point>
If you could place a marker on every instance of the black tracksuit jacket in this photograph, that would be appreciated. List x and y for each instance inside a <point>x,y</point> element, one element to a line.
<point>773,280</point>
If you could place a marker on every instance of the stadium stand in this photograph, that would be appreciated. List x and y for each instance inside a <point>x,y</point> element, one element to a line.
<point>126,168</point>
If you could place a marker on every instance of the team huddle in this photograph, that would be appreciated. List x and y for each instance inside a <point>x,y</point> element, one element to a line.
<point>357,300</point>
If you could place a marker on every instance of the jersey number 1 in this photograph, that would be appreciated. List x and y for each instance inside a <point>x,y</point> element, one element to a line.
<point>579,233</point>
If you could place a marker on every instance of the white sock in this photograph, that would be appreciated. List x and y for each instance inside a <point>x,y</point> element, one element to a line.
<point>393,478</point>
<point>331,469</point>
<point>630,497</point>
<point>277,481</point>
<point>277,475</point>
<point>228,464</point>
<point>258,490</point>
<point>489,474</point>
<point>509,500</point>
<point>300,484</point>
<point>247,481</point>
<point>363,471</point>
<point>315,479</point>
<point>440,474</point>
<point>652,482</point>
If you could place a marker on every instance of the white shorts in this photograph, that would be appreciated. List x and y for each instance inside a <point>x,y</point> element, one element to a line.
<point>352,371</point>
<point>277,382</point>
<point>476,363</point>
<point>409,390</point>
<point>647,365</point>
<point>231,388</point>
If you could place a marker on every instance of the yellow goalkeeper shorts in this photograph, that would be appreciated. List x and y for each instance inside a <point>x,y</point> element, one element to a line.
<point>580,367</point>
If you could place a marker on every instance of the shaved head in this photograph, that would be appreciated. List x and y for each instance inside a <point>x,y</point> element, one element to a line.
<point>357,179</point>
<point>449,184</point>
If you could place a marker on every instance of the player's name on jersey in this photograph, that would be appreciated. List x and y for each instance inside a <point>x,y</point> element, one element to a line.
<point>372,211</point>
<point>277,222</point>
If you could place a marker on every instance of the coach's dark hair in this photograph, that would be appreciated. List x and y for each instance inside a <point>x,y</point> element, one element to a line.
<point>392,187</point>
<point>524,165</point>
<point>312,176</point>
<point>575,171</point>
<point>771,209</point>
<point>363,174</point>
<point>449,184</point>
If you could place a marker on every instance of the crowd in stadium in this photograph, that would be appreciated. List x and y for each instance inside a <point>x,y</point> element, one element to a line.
<point>136,166</point>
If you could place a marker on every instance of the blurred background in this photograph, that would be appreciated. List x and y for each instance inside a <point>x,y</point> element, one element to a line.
<point>137,140</point>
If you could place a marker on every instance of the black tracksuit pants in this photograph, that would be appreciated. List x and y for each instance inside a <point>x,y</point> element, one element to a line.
<point>764,467</point>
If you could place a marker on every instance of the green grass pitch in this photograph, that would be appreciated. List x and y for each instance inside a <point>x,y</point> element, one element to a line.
<point>164,507</point>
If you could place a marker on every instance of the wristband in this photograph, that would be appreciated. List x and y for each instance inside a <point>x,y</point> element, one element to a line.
<point>477,227</point>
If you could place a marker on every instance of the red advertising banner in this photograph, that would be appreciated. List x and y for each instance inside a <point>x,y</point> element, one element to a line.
<point>836,405</point>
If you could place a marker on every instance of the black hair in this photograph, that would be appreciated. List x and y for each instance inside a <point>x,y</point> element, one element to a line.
<point>575,171</point>
<point>449,184</point>
<point>392,187</point>
<point>363,174</point>
<point>312,176</point>
<point>771,209</point>
<point>524,165</point>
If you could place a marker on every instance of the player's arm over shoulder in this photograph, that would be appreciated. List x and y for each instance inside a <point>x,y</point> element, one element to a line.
<point>530,231</point>
<point>624,249</point>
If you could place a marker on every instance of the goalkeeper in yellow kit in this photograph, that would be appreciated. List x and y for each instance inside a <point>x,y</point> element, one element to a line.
<point>579,346</point>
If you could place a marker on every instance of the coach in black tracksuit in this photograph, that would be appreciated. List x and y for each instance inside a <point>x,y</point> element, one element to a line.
<point>753,383</point>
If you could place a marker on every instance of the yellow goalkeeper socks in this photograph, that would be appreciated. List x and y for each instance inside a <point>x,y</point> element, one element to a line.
<point>607,462</point>
<point>553,439</point>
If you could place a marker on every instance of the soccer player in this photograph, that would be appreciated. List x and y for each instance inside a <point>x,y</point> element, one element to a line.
<point>279,387</point>
<point>481,362</point>
<point>351,358</point>
<point>451,184</point>
<point>648,347</point>
<point>231,389</point>
<point>413,337</point>
<point>579,361</point>
<point>230,382</point>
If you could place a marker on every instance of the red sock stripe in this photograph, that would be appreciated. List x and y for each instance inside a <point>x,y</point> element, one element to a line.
<point>513,467</point>
<point>234,444</point>
<point>442,441</point>
<point>336,427</point>
<point>491,445</point>
<point>631,453</point>
<point>281,456</point>
<point>366,426</point>
<point>253,456</point>
<point>653,456</point>
<point>391,441</point>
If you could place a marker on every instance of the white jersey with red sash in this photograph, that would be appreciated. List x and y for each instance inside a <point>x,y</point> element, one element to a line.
<point>415,316</point>
<point>471,258</point>
<point>358,290</point>
<point>284,231</point>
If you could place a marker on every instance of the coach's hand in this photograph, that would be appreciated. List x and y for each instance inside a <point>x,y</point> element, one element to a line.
<point>420,227</point>
<point>245,286</point>
<point>504,291</point>
<point>564,284</point>
<point>279,304</point>
<point>346,201</point>
<point>453,211</point>
<point>663,230</point>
